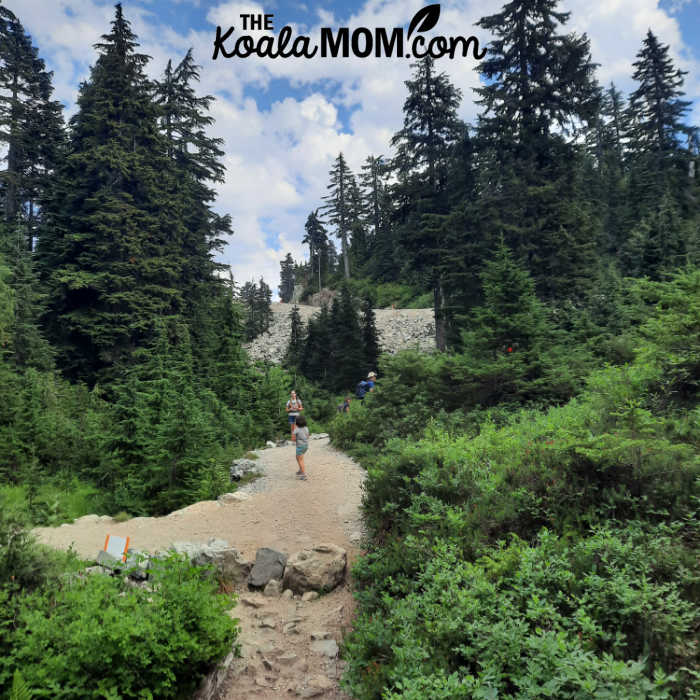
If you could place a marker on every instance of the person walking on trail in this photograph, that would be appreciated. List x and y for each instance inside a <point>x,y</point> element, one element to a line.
<point>366,385</point>
<point>300,434</point>
<point>294,408</point>
<point>345,406</point>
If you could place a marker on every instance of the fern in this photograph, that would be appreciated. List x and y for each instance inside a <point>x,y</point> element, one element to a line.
<point>20,690</point>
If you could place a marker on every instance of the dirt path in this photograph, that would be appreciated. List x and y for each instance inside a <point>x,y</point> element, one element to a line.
<point>287,643</point>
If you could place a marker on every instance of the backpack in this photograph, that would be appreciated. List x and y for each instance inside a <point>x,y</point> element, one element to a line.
<point>361,389</point>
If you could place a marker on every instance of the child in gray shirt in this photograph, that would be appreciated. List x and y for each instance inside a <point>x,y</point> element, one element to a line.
<point>301,436</point>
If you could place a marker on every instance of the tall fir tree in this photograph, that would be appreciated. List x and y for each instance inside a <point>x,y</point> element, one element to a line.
<point>538,92</point>
<point>111,249</point>
<point>286,288</point>
<point>338,207</point>
<point>185,121</point>
<point>424,145</point>
<point>370,337</point>
<point>295,348</point>
<point>317,239</point>
<point>31,125</point>
<point>659,142</point>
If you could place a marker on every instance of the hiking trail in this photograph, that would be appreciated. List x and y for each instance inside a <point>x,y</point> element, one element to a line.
<point>288,645</point>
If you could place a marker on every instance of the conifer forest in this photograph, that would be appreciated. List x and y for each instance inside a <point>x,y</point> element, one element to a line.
<point>532,487</point>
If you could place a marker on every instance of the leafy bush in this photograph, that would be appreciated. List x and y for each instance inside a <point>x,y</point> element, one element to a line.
<point>549,620</point>
<point>96,637</point>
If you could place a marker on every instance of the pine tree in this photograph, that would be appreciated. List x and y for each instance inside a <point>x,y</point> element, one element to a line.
<point>111,250</point>
<point>286,288</point>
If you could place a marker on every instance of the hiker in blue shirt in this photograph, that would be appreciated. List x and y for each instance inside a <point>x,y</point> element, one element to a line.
<point>366,385</point>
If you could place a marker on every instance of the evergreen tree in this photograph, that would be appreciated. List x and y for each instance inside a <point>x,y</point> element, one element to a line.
<point>185,121</point>
<point>317,361</point>
<point>346,342</point>
<point>286,288</point>
<point>295,348</point>
<point>538,92</point>
<point>659,141</point>
<point>31,125</point>
<point>423,148</point>
<point>317,240</point>
<point>29,347</point>
<point>339,207</point>
<point>111,250</point>
<point>370,337</point>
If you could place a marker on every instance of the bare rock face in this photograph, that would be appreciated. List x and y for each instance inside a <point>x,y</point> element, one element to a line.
<point>321,569</point>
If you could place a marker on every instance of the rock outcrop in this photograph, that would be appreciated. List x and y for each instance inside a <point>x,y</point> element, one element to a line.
<point>398,329</point>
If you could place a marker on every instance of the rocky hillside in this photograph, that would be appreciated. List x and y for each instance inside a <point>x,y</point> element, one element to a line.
<point>398,329</point>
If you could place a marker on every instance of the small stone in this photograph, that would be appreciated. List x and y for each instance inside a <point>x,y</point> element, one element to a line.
<point>269,443</point>
<point>287,659</point>
<point>268,664</point>
<point>237,497</point>
<point>290,628</point>
<point>288,594</point>
<point>320,634</point>
<point>268,623</point>
<point>273,588</point>
<point>252,602</point>
<point>327,647</point>
<point>309,596</point>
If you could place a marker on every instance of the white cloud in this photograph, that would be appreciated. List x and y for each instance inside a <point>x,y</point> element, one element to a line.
<point>278,157</point>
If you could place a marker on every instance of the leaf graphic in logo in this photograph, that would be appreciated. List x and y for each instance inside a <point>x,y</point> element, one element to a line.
<point>427,18</point>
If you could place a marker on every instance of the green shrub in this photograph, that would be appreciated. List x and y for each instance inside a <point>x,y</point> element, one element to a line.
<point>96,637</point>
<point>593,620</point>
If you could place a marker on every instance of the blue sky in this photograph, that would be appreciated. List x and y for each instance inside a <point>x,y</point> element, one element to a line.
<point>285,120</point>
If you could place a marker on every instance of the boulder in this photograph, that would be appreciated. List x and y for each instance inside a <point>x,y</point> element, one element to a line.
<point>231,566</point>
<point>321,569</point>
<point>269,564</point>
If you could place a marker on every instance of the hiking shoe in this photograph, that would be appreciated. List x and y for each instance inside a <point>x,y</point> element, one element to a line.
<point>302,477</point>
<point>299,472</point>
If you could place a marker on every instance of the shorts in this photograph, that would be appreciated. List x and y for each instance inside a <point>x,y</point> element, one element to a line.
<point>292,420</point>
<point>301,449</point>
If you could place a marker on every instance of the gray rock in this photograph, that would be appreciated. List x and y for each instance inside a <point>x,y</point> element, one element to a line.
<point>287,594</point>
<point>269,443</point>
<point>320,568</point>
<point>241,467</point>
<point>273,588</point>
<point>310,596</point>
<point>231,566</point>
<point>269,564</point>
<point>109,561</point>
